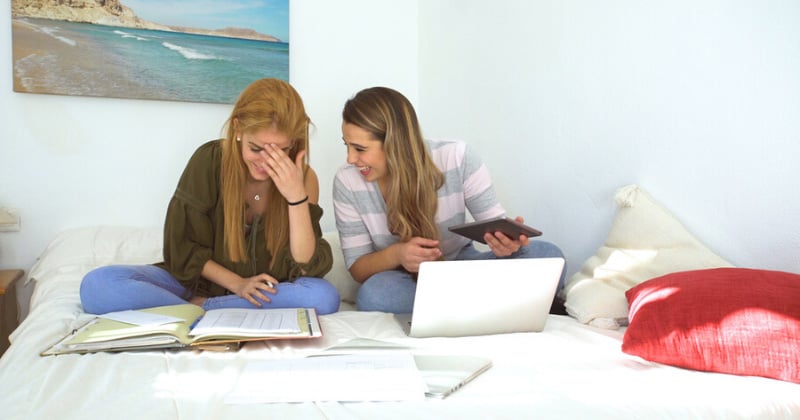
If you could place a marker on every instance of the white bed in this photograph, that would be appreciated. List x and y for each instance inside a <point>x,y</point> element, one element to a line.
<point>571,370</point>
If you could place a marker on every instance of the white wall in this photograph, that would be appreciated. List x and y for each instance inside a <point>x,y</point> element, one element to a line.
<point>338,48</point>
<point>568,100</point>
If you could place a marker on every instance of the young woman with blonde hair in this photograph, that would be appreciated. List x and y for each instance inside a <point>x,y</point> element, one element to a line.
<point>242,228</point>
<point>398,194</point>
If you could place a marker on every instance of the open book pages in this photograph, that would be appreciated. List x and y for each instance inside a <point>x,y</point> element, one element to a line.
<point>223,324</point>
<point>214,327</point>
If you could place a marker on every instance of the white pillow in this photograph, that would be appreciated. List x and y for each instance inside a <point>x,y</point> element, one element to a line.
<point>339,276</point>
<point>95,246</point>
<point>645,241</point>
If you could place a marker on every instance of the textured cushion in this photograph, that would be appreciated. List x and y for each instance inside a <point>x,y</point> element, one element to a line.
<point>729,320</point>
<point>339,276</point>
<point>645,241</point>
<point>90,247</point>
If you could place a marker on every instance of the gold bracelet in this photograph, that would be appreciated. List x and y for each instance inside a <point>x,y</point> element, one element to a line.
<point>295,203</point>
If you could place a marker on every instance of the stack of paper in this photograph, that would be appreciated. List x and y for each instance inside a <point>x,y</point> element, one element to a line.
<point>354,377</point>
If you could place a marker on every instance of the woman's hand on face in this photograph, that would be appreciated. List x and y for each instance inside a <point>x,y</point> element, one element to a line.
<point>287,175</point>
<point>252,288</point>
<point>418,250</point>
<point>503,246</point>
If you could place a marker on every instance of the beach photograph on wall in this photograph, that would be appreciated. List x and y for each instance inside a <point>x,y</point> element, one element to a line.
<point>174,50</point>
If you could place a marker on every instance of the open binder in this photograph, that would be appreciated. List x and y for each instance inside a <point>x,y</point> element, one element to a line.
<point>192,328</point>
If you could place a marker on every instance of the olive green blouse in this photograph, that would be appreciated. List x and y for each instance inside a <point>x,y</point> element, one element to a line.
<point>194,232</point>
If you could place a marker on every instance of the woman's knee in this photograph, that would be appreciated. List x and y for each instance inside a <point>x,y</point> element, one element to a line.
<point>368,295</point>
<point>388,291</point>
<point>544,249</point>
<point>120,287</point>
<point>324,298</point>
<point>94,284</point>
<point>91,290</point>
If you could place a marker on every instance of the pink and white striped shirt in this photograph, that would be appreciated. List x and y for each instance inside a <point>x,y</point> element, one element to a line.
<point>361,211</point>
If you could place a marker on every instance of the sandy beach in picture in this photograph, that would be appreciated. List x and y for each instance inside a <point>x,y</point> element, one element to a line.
<point>47,61</point>
<point>69,58</point>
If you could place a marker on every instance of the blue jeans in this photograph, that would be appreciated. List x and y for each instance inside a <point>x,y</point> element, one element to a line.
<point>122,287</point>
<point>393,291</point>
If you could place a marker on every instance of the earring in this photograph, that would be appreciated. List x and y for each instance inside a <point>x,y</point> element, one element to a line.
<point>238,138</point>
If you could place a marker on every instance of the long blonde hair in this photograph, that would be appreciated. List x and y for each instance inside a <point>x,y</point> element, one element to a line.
<point>263,104</point>
<point>411,199</point>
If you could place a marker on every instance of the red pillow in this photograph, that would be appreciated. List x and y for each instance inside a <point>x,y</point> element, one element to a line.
<point>729,320</point>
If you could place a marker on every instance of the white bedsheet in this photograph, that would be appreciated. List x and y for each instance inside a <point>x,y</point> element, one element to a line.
<point>569,370</point>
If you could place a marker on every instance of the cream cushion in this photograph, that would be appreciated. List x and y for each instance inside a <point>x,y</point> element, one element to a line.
<point>645,241</point>
<point>339,276</point>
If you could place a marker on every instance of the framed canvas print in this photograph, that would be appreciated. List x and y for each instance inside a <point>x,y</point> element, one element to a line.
<point>177,50</point>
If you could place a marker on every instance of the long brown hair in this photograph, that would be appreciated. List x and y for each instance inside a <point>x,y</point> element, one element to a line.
<point>411,199</point>
<point>263,104</point>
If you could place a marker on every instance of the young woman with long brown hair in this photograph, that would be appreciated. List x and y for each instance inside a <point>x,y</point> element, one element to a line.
<point>399,193</point>
<point>242,228</point>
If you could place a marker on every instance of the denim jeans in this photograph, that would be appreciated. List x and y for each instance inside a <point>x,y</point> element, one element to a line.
<point>394,290</point>
<point>122,287</point>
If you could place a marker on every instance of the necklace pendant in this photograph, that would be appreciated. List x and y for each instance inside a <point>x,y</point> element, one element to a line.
<point>257,197</point>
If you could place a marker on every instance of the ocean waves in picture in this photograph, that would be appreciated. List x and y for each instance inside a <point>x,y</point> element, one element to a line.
<point>188,53</point>
<point>53,32</point>
<point>98,60</point>
<point>127,35</point>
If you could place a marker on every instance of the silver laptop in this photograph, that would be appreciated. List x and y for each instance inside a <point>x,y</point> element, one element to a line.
<point>446,374</point>
<point>443,373</point>
<point>479,297</point>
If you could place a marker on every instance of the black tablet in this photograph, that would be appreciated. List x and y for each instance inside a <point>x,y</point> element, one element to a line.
<point>508,226</point>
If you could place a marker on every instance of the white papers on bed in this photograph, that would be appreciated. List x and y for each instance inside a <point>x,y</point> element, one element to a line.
<point>367,377</point>
<point>443,374</point>
<point>362,346</point>
<point>140,318</point>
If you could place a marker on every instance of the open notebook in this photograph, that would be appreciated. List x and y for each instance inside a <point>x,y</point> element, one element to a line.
<point>186,326</point>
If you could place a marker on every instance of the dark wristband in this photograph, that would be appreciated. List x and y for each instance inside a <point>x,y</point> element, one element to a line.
<point>295,203</point>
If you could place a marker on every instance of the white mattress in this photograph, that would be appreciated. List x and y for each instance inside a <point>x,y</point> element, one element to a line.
<point>569,370</point>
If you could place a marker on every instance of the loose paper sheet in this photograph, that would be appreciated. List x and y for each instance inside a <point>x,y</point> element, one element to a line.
<point>140,318</point>
<point>373,377</point>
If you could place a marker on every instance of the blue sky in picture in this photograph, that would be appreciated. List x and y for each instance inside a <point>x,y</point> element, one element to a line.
<point>270,17</point>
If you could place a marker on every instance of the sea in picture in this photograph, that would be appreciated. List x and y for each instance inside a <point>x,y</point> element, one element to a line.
<point>60,57</point>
